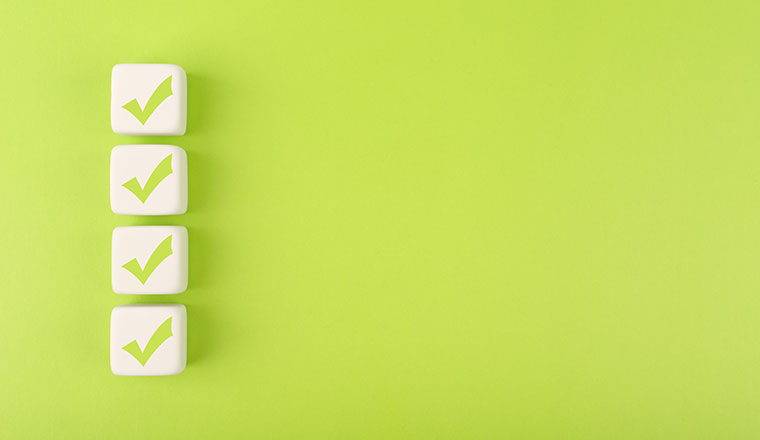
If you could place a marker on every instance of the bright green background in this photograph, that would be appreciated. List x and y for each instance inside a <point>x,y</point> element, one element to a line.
<point>407,220</point>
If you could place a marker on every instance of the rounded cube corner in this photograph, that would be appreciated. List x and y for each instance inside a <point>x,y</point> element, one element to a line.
<point>179,70</point>
<point>178,370</point>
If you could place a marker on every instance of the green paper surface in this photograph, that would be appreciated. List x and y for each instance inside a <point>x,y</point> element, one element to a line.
<point>407,220</point>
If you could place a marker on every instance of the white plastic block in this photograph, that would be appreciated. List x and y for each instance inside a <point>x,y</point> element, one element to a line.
<point>149,260</point>
<point>148,180</point>
<point>148,99</point>
<point>148,339</point>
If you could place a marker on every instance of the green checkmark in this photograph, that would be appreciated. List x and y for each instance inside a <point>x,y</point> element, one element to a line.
<point>161,172</point>
<point>160,254</point>
<point>163,91</point>
<point>162,333</point>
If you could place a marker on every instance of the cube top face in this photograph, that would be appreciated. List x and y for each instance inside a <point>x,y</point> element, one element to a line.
<point>148,339</point>
<point>148,180</point>
<point>149,260</point>
<point>148,100</point>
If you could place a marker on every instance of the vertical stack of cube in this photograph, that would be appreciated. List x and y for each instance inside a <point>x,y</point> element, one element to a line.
<point>149,100</point>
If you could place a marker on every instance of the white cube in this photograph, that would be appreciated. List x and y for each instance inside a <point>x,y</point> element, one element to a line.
<point>148,339</point>
<point>148,180</point>
<point>148,99</point>
<point>149,260</point>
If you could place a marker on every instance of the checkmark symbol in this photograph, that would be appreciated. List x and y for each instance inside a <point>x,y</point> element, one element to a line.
<point>160,254</point>
<point>161,172</point>
<point>163,91</point>
<point>162,333</point>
